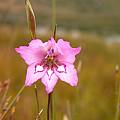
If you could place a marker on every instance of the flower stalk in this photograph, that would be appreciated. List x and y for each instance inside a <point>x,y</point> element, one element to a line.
<point>37,100</point>
<point>53,13</point>
<point>50,108</point>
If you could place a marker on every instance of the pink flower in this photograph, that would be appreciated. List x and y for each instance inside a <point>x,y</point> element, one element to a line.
<point>49,61</point>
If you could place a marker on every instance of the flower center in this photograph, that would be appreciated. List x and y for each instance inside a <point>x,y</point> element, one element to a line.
<point>50,59</point>
<point>50,63</point>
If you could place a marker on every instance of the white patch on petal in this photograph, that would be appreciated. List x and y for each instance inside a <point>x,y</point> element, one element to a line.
<point>61,68</point>
<point>50,73</point>
<point>39,68</point>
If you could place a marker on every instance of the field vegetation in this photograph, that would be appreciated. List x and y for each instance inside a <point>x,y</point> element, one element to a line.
<point>93,99</point>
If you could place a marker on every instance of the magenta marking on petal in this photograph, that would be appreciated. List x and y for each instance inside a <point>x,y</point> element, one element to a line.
<point>50,52</point>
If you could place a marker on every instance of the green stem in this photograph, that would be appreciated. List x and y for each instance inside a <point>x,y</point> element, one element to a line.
<point>52,107</point>
<point>69,110</point>
<point>12,103</point>
<point>54,27</point>
<point>54,31</point>
<point>53,13</point>
<point>51,95</point>
<point>49,106</point>
<point>36,94</point>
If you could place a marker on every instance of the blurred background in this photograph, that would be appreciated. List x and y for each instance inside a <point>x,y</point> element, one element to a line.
<point>92,24</point>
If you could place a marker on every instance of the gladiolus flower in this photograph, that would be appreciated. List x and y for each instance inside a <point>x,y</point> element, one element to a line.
<point>49,62</point>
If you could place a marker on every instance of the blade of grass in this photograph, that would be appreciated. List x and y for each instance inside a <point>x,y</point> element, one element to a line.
<point>12,103</point>
<point>30,19</point>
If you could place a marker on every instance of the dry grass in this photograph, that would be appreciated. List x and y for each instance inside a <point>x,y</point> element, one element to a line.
<point>94,97</point>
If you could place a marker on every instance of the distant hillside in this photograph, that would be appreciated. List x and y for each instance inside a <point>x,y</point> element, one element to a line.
<point>96,15</point>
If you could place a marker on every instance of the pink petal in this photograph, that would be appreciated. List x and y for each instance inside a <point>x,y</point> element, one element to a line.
<point>31,54</point>
<point>68,75</point>
<point>32,76</point>
<point>49,82</point>
<point>67,52</point>
<point>51,42</point>
<point>36,43</point>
